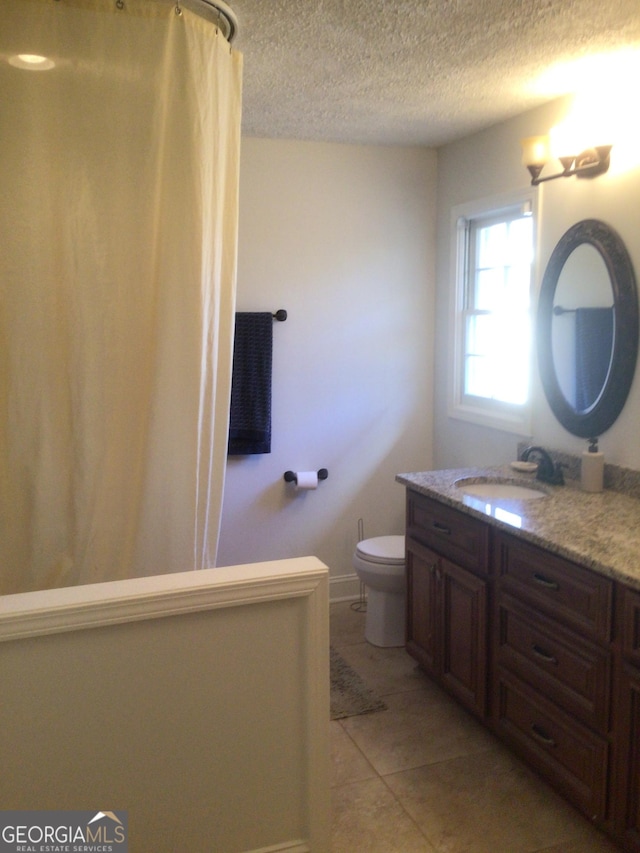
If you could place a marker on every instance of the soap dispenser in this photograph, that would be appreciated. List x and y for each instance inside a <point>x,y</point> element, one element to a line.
<point>592,468</point>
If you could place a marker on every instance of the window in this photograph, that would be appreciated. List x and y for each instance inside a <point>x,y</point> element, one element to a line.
<point>492,323</point>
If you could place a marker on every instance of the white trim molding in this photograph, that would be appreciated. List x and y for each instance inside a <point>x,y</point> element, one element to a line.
<point>31,614</point>
<point>513,419</point>
<point>198,702</point>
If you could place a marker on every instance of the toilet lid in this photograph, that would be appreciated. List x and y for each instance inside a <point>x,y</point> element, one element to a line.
<point>382,549</point>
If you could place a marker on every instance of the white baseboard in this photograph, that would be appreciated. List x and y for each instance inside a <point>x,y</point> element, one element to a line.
<point>344,588</point>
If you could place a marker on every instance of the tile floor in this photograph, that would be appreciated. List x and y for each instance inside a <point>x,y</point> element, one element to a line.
<point>425,777</point>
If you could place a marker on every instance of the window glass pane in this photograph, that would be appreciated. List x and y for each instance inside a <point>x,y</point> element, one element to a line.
<point>477,377</point>
<point>491,241</point>
<point>518,247</point>
<point>489,289</point>
<point>480,332</point>
<point>517,288</point>
<point>496,331</point>
<point>511,372</point>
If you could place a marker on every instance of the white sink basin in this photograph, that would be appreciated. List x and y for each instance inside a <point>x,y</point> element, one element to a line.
<point>490,489</point>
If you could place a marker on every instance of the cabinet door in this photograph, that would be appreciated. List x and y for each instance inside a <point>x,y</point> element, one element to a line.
<point>422,639</point>
<point>463,609</point>
<point>630,627</point>
<point>627,794</point>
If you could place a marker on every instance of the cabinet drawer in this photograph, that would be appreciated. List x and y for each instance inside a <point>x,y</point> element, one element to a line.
<point>556,587</point>
<point>451,533</point>
<point>574,673</point>
<point>570,756</point>
<point>630,624</point>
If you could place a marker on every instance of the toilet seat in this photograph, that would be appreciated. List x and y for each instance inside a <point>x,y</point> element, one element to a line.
<point>383,550</point>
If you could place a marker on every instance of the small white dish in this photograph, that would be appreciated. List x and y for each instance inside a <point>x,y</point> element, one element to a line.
<point>524,467</point>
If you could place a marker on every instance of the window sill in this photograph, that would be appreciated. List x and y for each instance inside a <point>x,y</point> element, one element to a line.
<point>517,422</point>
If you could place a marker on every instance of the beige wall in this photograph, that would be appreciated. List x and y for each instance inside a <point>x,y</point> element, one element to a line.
<point>343,238</point>
<point>488,164</point>
<point>197,702</point>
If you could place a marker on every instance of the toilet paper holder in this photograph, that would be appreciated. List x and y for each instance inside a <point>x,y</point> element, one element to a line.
<point>291,476</point>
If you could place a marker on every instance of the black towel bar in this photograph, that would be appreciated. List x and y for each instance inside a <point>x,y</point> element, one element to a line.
<point>280,315</point>
<point>559,310</point>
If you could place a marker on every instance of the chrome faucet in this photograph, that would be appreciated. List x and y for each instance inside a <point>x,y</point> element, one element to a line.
<point>548,472</point>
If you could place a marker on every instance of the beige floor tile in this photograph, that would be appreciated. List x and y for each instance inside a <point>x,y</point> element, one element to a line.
<point>459,784</point>
<point>419,727</point>
<point>366,818</point>
<point>384,670</point>
<point>486,803</point>
<point>348,764</point>
<point>346,626</point>
<point>591,841</point>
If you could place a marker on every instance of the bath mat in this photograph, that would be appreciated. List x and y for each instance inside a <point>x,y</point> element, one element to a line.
<point>349,694</point>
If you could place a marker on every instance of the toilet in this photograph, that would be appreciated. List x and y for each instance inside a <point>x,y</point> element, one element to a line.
<point>380,565</point>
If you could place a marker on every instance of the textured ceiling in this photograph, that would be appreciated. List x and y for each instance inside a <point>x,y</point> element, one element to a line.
<point>421,72</point>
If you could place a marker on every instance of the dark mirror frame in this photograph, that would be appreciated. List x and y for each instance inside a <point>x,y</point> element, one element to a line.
<point>605,410</point>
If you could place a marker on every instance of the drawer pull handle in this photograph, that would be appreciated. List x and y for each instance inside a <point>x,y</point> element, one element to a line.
<point>545,582</point>
<point>540,734</point>
<point>542,654</point>
<point>442,528</point>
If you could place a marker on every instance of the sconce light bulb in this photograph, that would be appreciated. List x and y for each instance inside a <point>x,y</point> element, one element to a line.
<point>31,62</point>
<point>535,150</point>
<point>566,140</point>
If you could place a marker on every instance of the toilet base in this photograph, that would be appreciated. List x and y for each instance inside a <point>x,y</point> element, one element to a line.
<point>385,620</point>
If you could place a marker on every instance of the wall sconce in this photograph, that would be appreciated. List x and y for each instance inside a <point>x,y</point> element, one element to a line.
<point>536,152</point>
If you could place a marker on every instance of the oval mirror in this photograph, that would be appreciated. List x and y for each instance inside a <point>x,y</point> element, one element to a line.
<point>587,329</point>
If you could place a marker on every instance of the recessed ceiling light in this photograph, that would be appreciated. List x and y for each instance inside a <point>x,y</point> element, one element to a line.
<point>32,62</point>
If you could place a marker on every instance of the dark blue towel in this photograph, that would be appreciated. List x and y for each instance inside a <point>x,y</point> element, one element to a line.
<point>250,416</point>
<point>594,345</point>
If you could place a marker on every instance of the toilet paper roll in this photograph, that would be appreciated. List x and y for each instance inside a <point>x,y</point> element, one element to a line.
<point>306,480</point>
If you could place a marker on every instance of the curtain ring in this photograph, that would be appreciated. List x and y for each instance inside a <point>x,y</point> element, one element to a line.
<point>178,8</point>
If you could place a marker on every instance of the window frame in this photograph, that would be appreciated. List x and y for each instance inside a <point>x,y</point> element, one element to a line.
<point>513,418</point>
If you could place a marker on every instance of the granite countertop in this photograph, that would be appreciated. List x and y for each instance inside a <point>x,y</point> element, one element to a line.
<point>598,530</point>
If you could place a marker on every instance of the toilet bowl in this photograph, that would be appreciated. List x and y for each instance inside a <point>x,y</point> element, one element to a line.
<point>380,565</point>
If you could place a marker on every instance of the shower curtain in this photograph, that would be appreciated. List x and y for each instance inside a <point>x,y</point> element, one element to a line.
<point>118,227</point>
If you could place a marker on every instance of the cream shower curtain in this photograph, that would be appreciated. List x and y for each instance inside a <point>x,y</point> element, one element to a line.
<point>118,231</point>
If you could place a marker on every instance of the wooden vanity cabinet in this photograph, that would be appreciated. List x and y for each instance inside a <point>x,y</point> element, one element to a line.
<point>527,640</point>
<point>626,791</point>
<point>447,571</point>
<point>552,668</point>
